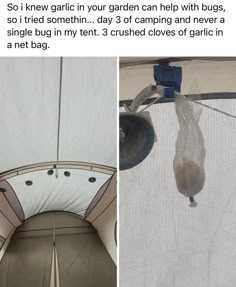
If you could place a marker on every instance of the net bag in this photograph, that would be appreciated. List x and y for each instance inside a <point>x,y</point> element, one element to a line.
<point>189,157</point>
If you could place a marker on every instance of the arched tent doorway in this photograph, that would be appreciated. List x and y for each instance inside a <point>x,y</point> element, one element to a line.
<point>56,248</point>
<point>170,243</point>
<point>58,122</point>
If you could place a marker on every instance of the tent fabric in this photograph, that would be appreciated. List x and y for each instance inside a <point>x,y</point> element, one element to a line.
<point>2,240</point>
<point>105,224</point>
<point>89,90</point>
<point>23,257</point>
<point>171,244</point>
<point>45,224</point>
<point>97,197</point>
<point>104,201</point>
<point>12,200</point>
<point>53,109</point>
<point>33,109</point>
<point>72,193</point>
<point>167,243</point>
<point>89,265</point>
<point>103,216</point>
<point>56,110</point>
<point>5,243</point>
<point>49,223</point>
<point>82,258</point>
<point>6,226</point>
<point>7,211</point>
<point>29,110</point>
<point>58,153</point>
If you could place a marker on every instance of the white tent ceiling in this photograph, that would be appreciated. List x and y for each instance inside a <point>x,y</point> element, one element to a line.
<point>164,242</point>
<point>29,110</point>
<point>88,114</point>
<point>30,100</point>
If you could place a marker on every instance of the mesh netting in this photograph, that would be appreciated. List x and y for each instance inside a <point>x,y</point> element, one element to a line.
<point>189,157</point>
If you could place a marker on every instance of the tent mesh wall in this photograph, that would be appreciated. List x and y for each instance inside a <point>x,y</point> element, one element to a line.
<point>171,244</point>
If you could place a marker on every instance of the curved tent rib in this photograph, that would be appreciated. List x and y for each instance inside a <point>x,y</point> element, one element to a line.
<point>56,165</point>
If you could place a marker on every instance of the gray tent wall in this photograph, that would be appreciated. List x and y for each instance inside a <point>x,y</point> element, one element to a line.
<point>104,216</point>
<point>80,255</point>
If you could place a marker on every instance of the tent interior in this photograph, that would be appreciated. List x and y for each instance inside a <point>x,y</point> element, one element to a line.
<point>171,244</point>
<point>58,172</point>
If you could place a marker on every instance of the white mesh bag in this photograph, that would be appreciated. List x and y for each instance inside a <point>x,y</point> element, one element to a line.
<point>189,157</point>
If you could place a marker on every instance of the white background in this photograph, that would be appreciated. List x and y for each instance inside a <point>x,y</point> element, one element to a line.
<point>131,46</point>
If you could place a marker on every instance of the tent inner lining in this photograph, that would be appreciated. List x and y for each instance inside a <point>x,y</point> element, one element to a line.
<point>59,165</point>
<point>58,242</point>
<point>98,196</point>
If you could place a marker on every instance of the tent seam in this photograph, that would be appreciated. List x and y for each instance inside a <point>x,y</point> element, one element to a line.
<point>7,218</point>
<point>59,108</point>
<point>109,182</point>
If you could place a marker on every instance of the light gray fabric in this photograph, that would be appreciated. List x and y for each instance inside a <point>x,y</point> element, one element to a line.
<point>12,199</point>
<point>84,262</point>
<point>2,240</point>
<point>29,110</point>
<point>88,110</point>
<point>48,219</point>
<point>82,258</point>
<point>30,91</point>
<point>27,262</point>
<point>46,223</point>
<point>97,198</point>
